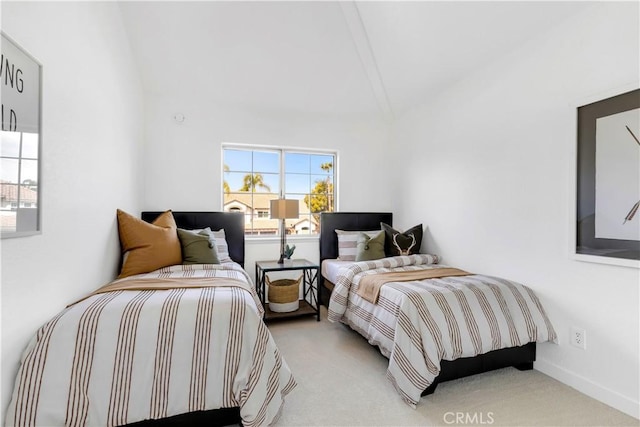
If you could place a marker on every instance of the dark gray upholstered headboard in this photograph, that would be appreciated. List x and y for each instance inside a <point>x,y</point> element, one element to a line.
<point>331,221</point>
<point>232,222</point>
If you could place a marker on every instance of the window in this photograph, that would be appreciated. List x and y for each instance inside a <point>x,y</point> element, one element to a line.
<point>19,181</point>
<point>254,176</point>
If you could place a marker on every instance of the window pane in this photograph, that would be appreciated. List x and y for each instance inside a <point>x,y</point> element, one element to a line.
<point>267,183</point>
<point>10,144</point>
<point>237,202</point>
<point>297,183</point>
<point>321,164</point>
<point>266,162</point>
<point>9,191</point>
<point>235,180</point>
<point>331,204</point>
<point>306,224</point>
<point>256,207</point>
<point>7,220</point>
<point>237,160</point>
<point>320,202</point>
<point>252,182</point>
<point>262,223</point>
<point>29,172</point>
<point>322,179</point>
<point>296,163</point>
<point>322,194</point>
<point>28,196</point>
<point>30,145</point>
<point>9,170</point>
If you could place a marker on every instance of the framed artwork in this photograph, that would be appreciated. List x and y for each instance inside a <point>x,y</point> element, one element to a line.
<point>20,141</point>
<point>608,178</point>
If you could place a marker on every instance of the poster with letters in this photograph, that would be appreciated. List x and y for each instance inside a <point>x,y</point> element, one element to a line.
<point>21,140</point>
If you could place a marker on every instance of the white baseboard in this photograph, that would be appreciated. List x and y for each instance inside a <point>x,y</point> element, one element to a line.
<point>588,387</point>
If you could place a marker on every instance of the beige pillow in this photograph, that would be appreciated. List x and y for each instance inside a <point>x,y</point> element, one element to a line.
<point>147,247</point>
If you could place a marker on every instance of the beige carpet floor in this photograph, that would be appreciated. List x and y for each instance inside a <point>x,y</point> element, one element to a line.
<point>341,381</point>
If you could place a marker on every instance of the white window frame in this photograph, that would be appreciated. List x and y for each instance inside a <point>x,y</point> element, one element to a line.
<point>281,173</point>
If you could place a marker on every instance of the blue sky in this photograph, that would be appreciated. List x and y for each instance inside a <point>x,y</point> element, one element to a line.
<point>302,170</point>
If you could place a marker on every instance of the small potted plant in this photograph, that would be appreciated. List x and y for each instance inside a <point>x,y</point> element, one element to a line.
<point>288,251</point>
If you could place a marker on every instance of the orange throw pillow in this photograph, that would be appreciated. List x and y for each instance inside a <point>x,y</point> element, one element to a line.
<point>147,247</point>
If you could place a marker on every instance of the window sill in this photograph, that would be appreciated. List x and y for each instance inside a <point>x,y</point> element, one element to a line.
<point>276,239</point>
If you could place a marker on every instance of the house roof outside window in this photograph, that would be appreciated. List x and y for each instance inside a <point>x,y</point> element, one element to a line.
<point>251,203</point>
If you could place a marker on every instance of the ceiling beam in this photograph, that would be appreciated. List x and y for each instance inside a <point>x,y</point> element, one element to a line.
<point>361,40</point>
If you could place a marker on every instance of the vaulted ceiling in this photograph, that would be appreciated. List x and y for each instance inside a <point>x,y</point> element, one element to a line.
<point>326,57</point>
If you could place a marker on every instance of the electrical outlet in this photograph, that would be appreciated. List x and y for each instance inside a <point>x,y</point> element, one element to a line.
<point>578,338</point>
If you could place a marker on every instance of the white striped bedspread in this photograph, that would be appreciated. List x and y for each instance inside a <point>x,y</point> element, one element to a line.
<point>417,324</point>
<point>125,356</point>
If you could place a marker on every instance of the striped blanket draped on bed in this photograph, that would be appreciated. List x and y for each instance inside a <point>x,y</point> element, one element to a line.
<point>417,324</point>
<point>128,355</point>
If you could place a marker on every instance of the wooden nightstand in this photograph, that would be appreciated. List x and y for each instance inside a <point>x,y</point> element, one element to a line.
<point>309,304</point>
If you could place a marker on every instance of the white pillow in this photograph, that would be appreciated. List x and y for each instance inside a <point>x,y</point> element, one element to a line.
<point>348,243</point>
<point>221,245</point>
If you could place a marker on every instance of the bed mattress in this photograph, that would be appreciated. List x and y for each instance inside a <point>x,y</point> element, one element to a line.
<point>330,268</point>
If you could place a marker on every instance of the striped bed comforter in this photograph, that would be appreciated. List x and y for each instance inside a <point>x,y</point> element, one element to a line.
<point>127,355</point>
<point>416,324</point>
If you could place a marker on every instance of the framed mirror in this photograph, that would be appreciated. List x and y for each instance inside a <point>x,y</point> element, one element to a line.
<point>20,141</point>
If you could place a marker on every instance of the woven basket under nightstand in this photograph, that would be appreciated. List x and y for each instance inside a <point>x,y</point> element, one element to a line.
<point>284,294</point>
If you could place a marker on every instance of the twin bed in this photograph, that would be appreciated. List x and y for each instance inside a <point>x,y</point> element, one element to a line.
<point>184,344</point>
<point>432,330</point>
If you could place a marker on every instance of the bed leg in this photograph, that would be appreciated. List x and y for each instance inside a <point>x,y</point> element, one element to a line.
<point>429,390</point>
<point>527,366</point>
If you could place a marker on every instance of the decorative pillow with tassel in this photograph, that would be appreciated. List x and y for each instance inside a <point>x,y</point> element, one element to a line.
<point>370,248</point>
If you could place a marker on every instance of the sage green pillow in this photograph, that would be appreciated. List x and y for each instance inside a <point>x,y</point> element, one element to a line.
<point>370,248</point>
<point>198,248</point>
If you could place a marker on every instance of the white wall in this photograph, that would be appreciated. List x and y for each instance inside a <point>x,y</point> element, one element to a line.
<point>183,161</point>
<point>489,167</point>
<point>484,165</point>
<point>92,129</point>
